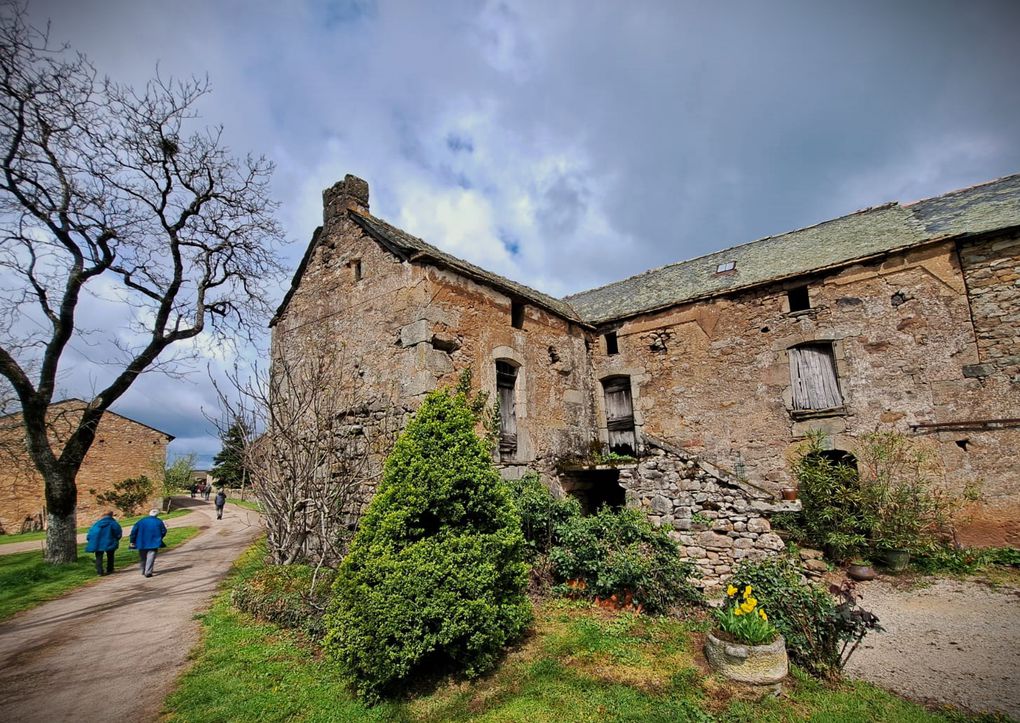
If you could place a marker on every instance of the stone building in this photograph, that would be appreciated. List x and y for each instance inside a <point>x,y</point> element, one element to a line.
<point>710,371</point>
<point>123,448</point>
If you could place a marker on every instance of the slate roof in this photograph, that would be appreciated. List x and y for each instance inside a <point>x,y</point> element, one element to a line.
<point>413,248</point>
<point>979,209</point>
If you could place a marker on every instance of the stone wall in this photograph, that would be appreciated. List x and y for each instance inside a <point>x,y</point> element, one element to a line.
<point>713,377</point>
<point>976,444</point>
<point>717,519</point>
<point>122,449</point>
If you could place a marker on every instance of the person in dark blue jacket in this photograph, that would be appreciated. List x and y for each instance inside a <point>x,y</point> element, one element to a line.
<point>147,537</point>
<point>104,537</point>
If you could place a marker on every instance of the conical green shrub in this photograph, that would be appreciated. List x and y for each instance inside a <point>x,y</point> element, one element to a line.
<point>435,576</point>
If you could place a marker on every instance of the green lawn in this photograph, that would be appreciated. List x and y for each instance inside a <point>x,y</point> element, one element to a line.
<point>579,664</point>
<point>30,536</point>
<point>247,504</point>
<point>26,580</point>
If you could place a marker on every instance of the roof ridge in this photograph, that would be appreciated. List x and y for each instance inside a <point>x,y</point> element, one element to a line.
<point>965,189</point>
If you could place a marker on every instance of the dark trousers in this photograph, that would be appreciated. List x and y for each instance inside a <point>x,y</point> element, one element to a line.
<point>219,512</point>
<point>109,562</point>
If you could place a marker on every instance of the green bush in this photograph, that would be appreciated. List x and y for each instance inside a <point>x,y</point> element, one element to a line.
<point>283,594</point>
<point>963,560</point>
<point>434,579</point>
<point>621,553</point>
<point>540,513</point>
<point>821,631</point>
<point>837,514</point>
<point>127,495</point>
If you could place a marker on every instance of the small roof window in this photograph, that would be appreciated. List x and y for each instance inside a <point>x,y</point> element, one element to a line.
<point>725,266</point>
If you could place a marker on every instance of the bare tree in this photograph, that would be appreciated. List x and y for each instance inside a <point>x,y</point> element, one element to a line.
<point>315,438</point>
<point>106,193</point>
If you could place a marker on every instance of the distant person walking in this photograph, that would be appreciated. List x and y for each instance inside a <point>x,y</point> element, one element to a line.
<point>147,537</point>
<point>205,492</point>
<point>221,499</point>
<point>104,537</point>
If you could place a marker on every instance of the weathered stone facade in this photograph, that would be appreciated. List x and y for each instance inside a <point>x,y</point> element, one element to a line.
<point>123,448</point>
<point>916,309</point>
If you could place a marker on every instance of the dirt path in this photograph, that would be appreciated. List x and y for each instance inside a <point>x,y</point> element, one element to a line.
<point>954,642</point>
<point>183,521</point>
<point>113,649</point>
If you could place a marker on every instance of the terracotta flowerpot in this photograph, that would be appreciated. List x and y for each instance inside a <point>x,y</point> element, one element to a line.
<point>861,572</point>
<point>789,493</point>
<point>755,664</point>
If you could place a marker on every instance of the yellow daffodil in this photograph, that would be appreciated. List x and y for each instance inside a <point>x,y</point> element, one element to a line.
<point>731,591</point>
<point>762,615</point>
<point>747,606</point>
<point>737,611</point>
<point>747,592</point>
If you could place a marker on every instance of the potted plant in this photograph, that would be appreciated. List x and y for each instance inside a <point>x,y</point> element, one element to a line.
<point>746,647</point>
<point>902,514</point>
<point>861,570</point>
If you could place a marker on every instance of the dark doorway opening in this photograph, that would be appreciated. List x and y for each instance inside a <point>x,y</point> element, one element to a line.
<point>596,488</point>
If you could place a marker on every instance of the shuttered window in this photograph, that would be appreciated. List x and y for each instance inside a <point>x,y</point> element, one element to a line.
<point>506,382</point>
<point>619,415</point>
<point>813,376</point>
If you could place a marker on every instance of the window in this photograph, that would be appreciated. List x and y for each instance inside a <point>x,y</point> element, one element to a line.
<point>506,383</point>
<point>619,415</point>
<point>517,314</point>
<point>612,345</point>
<point>799,299</point>
<point>726,266</point>
<point>355,269</point>
<point>813,377</point>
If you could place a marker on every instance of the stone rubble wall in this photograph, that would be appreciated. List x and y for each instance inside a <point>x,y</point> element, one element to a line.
<point>673,487</point>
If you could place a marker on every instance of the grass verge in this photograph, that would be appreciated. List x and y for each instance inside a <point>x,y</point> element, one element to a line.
<point>254,505</point>
<point>26,580</point>
<point>579,663</point>
<point>41,535</point>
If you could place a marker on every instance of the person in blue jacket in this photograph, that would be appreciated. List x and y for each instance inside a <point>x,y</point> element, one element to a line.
<point>104,537</point>
<point>147,537</point>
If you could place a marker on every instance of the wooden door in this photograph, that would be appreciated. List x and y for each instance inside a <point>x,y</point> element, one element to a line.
<point>620,415</point>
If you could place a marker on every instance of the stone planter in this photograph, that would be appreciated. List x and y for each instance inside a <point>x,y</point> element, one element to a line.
<point>896,559</point>
<point>753,664</point>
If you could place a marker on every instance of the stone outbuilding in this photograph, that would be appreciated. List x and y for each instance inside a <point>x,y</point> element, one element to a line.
<point>711,372</point>
<point>124,448</point>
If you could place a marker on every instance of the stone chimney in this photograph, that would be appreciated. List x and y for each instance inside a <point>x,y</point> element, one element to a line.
<point>350,193</point>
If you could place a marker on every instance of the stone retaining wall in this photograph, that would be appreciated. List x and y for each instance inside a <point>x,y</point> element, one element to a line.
<point>717,519</point>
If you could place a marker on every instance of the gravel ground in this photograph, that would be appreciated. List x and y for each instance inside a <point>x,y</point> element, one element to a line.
<point>955,642</point>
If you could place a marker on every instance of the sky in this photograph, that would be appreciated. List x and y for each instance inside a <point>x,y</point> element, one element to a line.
<point>568,144</point>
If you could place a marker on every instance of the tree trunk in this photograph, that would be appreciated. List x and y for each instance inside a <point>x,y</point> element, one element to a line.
<point>61,518</point>
<point>61,537</point>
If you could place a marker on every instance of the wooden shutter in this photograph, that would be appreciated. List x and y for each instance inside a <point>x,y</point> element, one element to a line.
<point>620,415</point>
<point>506,381</point>
<point>813,376</point>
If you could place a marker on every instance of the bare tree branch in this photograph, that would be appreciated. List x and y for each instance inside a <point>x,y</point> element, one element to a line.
<point>99,181</point>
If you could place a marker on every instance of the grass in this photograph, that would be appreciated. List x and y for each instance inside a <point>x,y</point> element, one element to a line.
<point>26,580</point>
<point>254,505</point>
<point>579,663</point>
<point>41,535</point>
